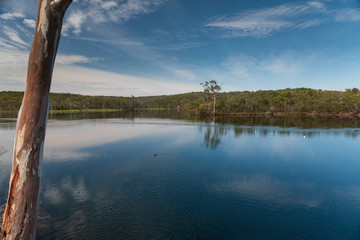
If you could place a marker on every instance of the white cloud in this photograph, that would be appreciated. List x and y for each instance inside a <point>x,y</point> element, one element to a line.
<point>107,11</point>
<point>30,23</point>
<point>11,16</point>
<point>13,35</point>
<point>132,8</point>
<point>84,80</point>
<point>184,74</point>
<point>309,23</point>
<point>319,6</point>
<point>13,65</point>
<point>263,22</point>
<point>240,66</point>
<point>112,42</point>
<point>74,20</point>
<point>68,77</point>
<point>282,65</point>
<point>108,5</point>
<point>347,15</point>
<point>6,44</point>
<point>267,21</point>
<point>62,59</point>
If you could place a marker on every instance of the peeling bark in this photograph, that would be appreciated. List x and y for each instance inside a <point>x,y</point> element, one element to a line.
<point>19,220</point>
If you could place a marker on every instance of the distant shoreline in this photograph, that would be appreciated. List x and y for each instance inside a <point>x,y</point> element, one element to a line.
<point>292,114</point>
<point>285,102</point>
<point>193,112</point>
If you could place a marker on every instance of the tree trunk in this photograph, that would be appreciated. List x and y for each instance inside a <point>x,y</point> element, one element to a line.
<point>214,97</point>
<point>19,220</point>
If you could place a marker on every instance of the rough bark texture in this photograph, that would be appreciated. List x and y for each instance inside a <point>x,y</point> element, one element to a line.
<point>19,220</point>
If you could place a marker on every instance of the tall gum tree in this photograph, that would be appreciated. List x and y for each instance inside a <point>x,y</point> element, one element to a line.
<point>211,88</point>
<point>19,220</point>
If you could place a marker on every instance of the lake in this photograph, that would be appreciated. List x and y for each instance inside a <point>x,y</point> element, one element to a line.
<point>162,175</point>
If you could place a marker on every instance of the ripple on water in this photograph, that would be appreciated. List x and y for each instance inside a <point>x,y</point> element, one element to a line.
<point>168,196</point>
<point>162,198</point>
<point>159,199</point>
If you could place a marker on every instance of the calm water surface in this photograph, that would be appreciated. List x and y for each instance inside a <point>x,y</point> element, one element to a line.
<point>163,177</point>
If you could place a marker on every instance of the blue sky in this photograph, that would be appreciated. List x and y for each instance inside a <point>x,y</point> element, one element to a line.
<point>155,47</point>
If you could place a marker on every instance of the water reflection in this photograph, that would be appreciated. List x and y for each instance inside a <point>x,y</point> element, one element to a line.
<point>160,178</point>
<point>214,132</point>
<point>293,122</point>
<point>271,190</point>
<point>212,135</point>
<point>57,193</point>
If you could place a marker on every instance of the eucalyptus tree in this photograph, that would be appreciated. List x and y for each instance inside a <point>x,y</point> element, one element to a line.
<point>211,88</point>
<point>19,220</point>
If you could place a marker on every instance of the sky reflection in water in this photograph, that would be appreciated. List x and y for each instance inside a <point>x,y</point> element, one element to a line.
<point>153,178</point>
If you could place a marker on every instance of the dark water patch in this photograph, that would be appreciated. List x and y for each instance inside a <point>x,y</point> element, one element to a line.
<point>163,199</point>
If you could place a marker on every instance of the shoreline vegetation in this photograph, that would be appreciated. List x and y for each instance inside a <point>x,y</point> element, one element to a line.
<point>287,102</point>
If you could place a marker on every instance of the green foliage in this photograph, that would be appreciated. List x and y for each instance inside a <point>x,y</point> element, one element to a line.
<point>195,104</point>
<point>299,100</point>
<point>211,87</point>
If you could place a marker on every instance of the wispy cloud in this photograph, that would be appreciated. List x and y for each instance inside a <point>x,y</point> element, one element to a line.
<point>111,42</point>
<point>347,15</point>
<point>287,64</point>
<point>62,59</point>
<point>282,65</point>
<point>267,21</point>
<point>29,23</point>
<point>85,80</point>
<point>6,44</point>
<point>70,77</point>
<point>13,65</point>
<point>184,74</point>
<point>13,35</point>
<point>309,23</point>
<point>11,16</point>
<point>98,11</point>
<point>74,21</point>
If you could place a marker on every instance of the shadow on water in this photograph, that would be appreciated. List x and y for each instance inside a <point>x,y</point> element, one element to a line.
<point>161,114</point>
<point>285,122</point>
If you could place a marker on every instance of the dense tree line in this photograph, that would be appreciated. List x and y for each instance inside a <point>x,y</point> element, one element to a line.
<point>11,101</point>
<point>299,100</point>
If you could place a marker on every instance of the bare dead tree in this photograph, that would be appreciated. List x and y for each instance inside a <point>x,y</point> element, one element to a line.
<point>19,220</point>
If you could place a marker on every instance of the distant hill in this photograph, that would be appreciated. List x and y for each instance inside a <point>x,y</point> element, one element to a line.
<point>299,100</point>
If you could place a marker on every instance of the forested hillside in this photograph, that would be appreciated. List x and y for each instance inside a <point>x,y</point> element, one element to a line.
<point>11,101</point>
<point>300,100</point>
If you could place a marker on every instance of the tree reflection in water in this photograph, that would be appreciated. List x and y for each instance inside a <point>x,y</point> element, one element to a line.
<point>213,134</point>
<point>214,131</point>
